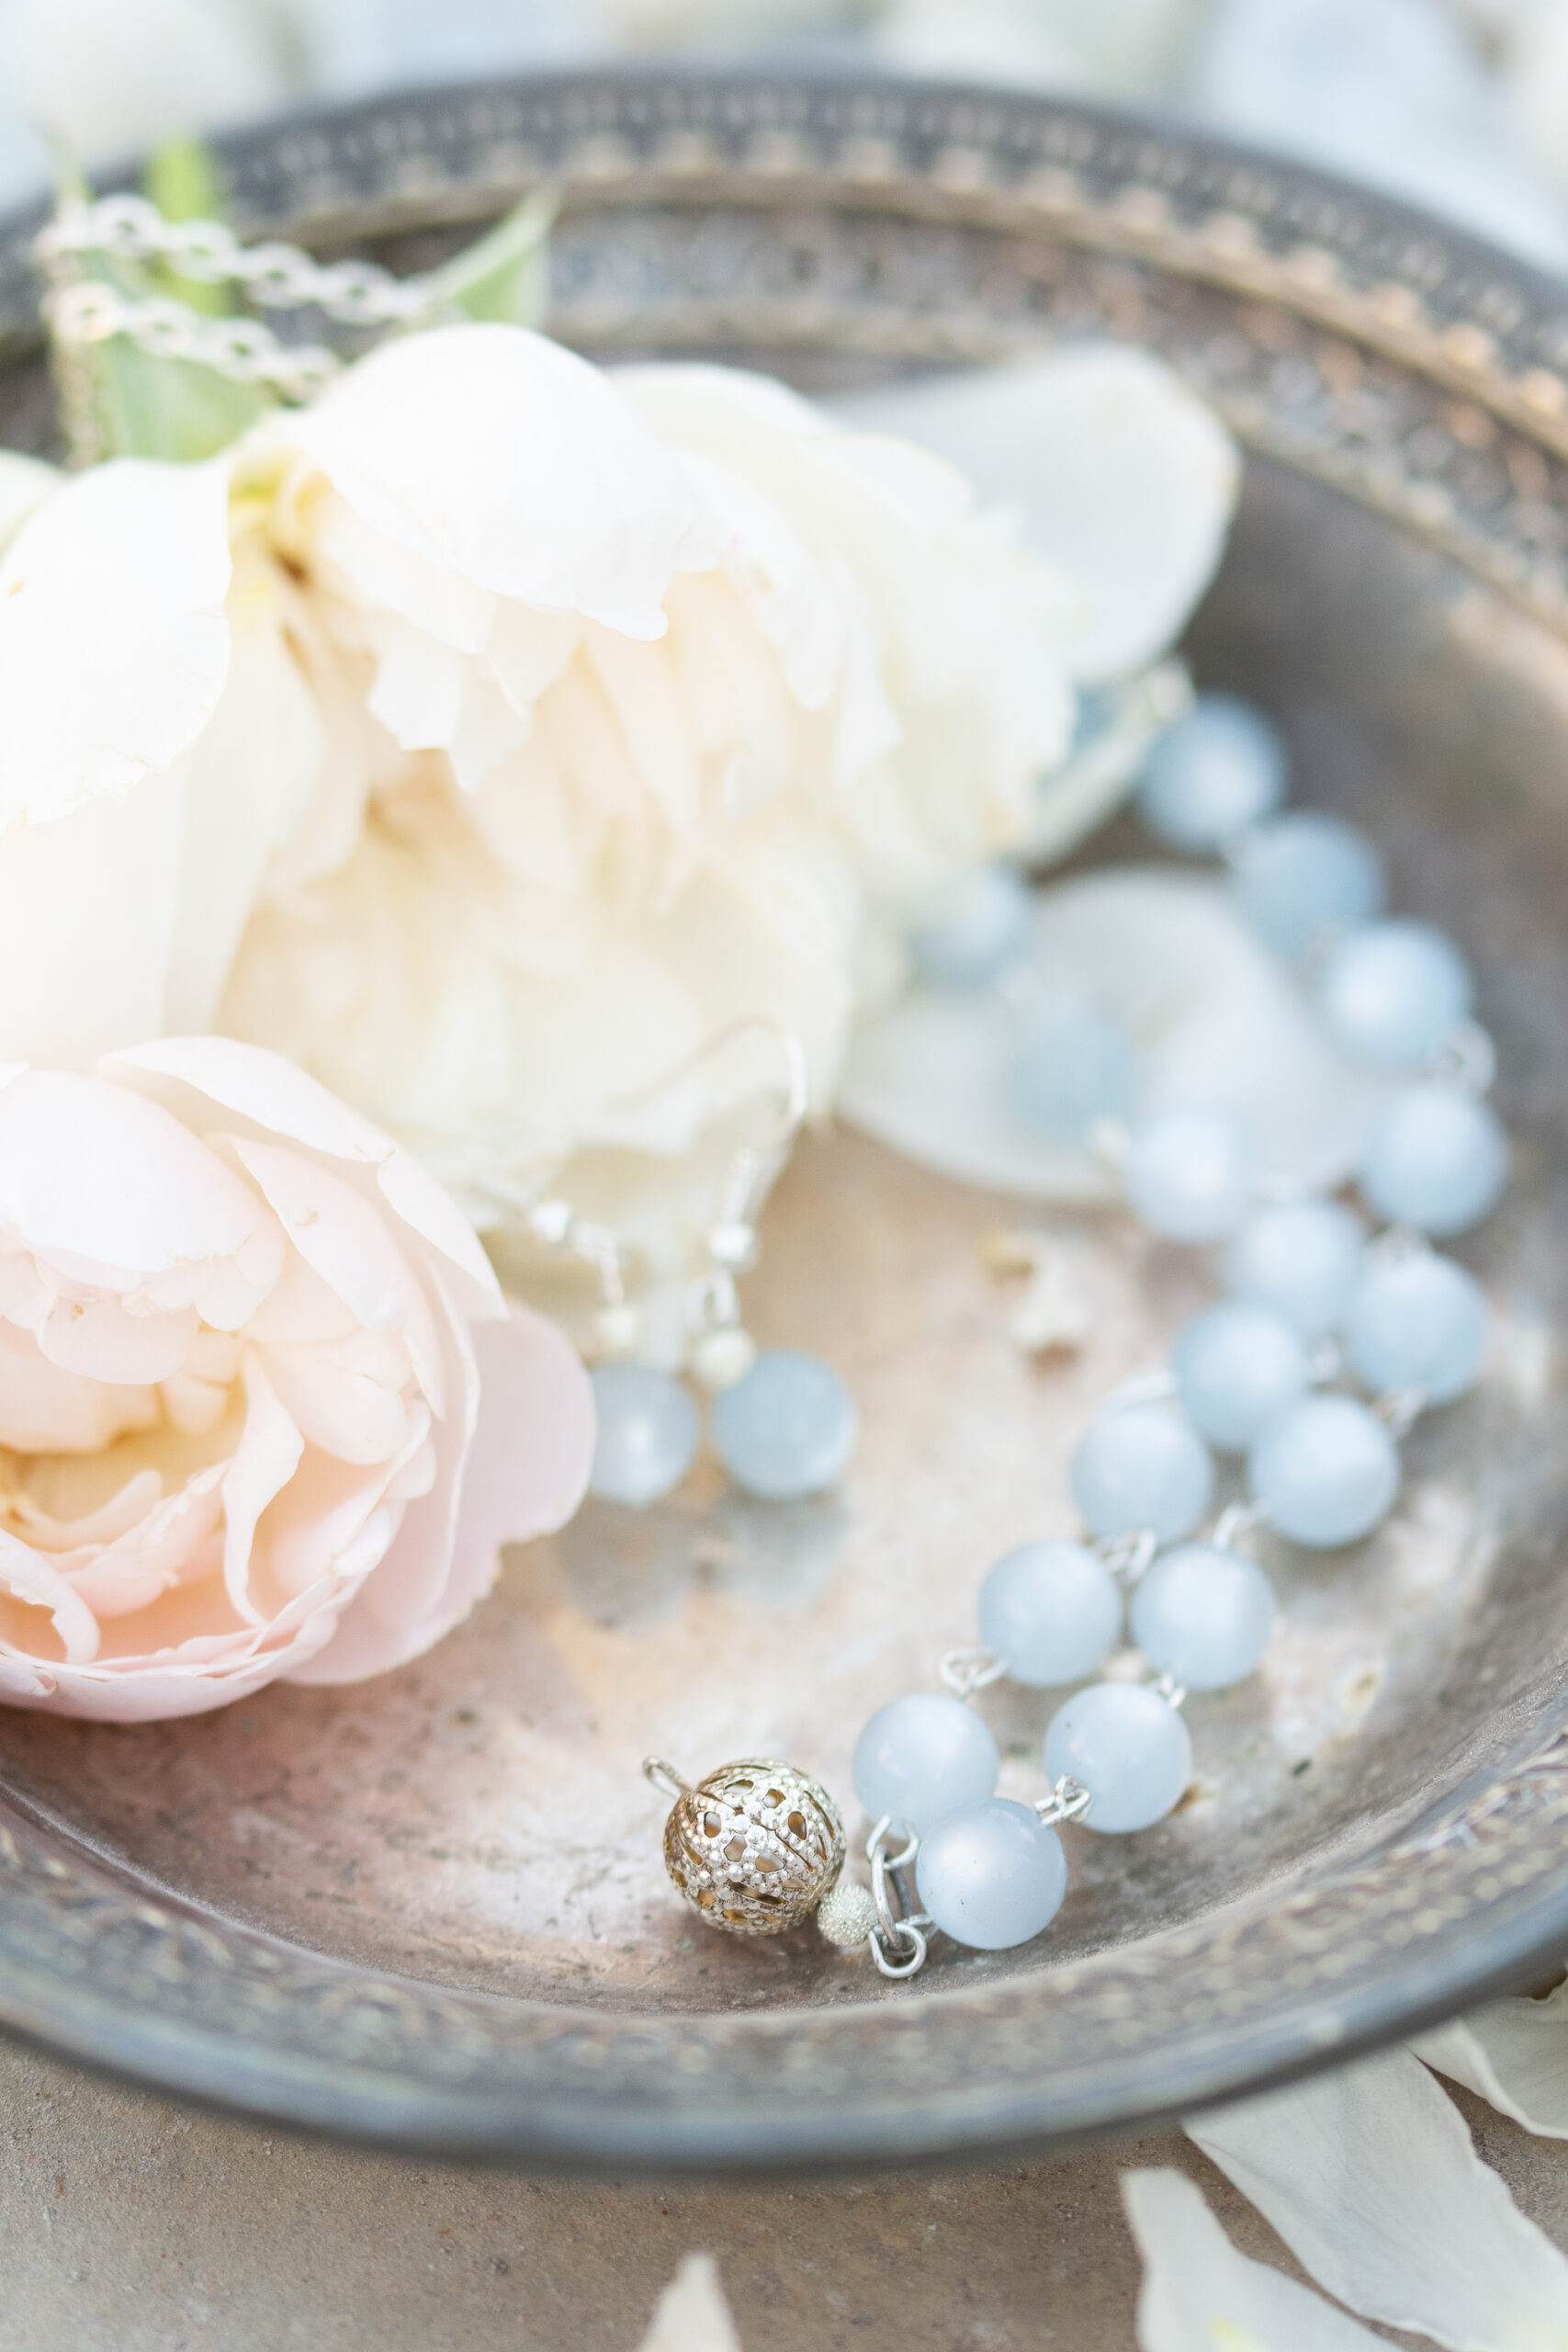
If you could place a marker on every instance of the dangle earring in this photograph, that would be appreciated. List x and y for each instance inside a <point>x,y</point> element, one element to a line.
<point>782,1422</point>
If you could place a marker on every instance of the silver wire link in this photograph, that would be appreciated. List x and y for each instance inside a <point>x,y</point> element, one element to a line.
<point>967,1671</point>
<point>1127,1556</point>
<point>664,1777</point>
<point>898,1941</point>
<point>1234,1521</point>
<point>1466,1060</point>
<point>1068,1801</point>
<point>1399,1410</point>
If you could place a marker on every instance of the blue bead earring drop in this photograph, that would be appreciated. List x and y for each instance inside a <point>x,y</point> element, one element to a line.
<point>783,1423</point>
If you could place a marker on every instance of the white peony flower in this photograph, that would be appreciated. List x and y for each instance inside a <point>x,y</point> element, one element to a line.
<point>242,1434</point>
<point>492,736</point>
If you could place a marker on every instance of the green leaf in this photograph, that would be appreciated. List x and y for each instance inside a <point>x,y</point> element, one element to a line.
<point>506,274</point>
<point>143,405</point>
<point>183,180</point>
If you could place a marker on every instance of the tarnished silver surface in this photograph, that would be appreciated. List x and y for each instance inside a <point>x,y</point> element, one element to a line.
<point>433,1906</point>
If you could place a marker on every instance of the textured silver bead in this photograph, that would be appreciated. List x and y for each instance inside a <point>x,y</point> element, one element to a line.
<point>754,1846</point>
<point>847,1915</point>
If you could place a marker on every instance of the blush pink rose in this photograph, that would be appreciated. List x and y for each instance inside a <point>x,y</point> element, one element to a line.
<point>264,1412</point>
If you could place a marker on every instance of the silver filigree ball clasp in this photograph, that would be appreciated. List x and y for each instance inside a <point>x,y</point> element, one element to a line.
<point>754,1846</point>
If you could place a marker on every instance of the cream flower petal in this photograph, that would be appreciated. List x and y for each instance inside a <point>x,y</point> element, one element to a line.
<point>268,1455</point>
<point>1199,2295</point>
<point>524,1473</point>
<point>46,1410</point>
<point>1122,476</point>
<point>33,1578</point>
<point>691,2314</point>
<point>342,1239</point>
<point>279,1098</point>
<point>1370,2177</point>
<point>25,483</point>
<point>505,460</point>
<point>170,1207</point>
<point>129,559</point>
<point>1211,1014</point>
<point>245,788</point>
<point>88,911</point>
<point>100,1337</point>
<point>1512,2054</point>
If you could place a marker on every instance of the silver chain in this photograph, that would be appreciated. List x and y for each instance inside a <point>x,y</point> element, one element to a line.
<point>275,277</point>
<point>242,349</point>
<point>81,311</point>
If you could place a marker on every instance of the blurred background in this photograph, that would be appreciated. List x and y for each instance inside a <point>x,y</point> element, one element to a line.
<point>1460,105</point>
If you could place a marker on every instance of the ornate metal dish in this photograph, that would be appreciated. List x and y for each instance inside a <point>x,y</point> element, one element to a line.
<point>432,1908</point>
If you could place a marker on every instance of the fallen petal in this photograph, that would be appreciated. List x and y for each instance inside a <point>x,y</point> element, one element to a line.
<point>1513,2054</point>
<point>1124,479</point>
<point>1199,2295</point>
<point>1212,1016</point>
<point>691,2314</point>
<point>1370,2177</point>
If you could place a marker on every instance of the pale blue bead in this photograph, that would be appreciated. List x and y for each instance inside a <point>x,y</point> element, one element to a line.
<point>1128,1747</point>
<point>1434,1159</point>
<point>1324,1471</point>
<point>1052,1611</point>
<point>1302,1260</point>
<point>1203,1615</point>
<point>1392,991</point>
<point>1235,1366</point>
<point>978,926</point>
<point>1417,1323</point>
<point>921,1758</point>
<point>646,1433</point>
<point>1191,1175</point>
<point>787,1429</point>
<point>991,1876</point>
<point>1212,775</point>
<point>1072,1071</point>
<point>1305,877</point>
<point>1142,1467</point>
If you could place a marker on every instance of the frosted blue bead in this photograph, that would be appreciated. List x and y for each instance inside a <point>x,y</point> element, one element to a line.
<point>973,930</point>
<point>991,1876</point>
<point>1305,877</point>
<point>1302,1260</point>
<point>1392,992</point>
<point>1324,1471</point>
<point>787,1429</point>
<point>1144,1466</point>
<point>1191,1175</point>
<point>1235,1366</point>
<point>922,1757</point>
<point>1434,1159</point>
<point>1203,1615</point>
<point>1128,1747</point>
<point>1052,1611</point>
<point>1417,1323</point>
<point>1072,1071</point>
<point>647,1434</point>
<point>1211,774</point>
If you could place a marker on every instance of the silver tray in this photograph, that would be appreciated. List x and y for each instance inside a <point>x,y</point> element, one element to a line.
<point>430,1909</point>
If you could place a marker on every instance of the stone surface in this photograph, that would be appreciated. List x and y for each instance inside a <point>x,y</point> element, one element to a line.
<point>130,2224</point>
